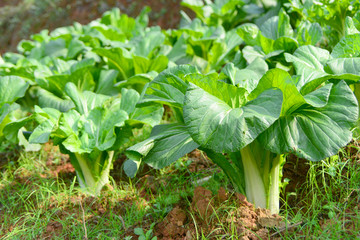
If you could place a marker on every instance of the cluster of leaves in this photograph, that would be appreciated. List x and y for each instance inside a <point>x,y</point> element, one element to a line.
<point>78,86</point>
<point>331,15</point>
<point>247,85</point>
<point>280,94</point>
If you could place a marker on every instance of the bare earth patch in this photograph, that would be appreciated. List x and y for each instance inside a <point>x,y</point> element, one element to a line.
<point>205,209</point>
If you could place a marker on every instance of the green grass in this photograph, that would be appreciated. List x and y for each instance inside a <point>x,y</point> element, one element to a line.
<point>30,201</point>
<point>33,201</point>
<point>328,202</point>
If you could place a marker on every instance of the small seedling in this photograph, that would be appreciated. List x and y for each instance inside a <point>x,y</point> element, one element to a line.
<point>147,235</point>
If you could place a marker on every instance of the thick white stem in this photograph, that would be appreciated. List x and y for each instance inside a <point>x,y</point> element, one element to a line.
<point>255,189</point>
<point>88,181</point>
<point>104,175</point>
<point>274,189</point>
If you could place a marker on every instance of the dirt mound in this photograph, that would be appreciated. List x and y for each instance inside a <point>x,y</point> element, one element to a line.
<point>209,215</point>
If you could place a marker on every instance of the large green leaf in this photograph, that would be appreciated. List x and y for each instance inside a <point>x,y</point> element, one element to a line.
<point>115,56</point>
<point>309,63</point>
<point>28,147</point>
<point>277,78</point>
<point>178,50</point>
<point>100,126</point>
<point>145,43</point>
<point>110,33</point>
<point>313,65</point>
<point>48,119</point>
<point>25,70</point>
<point>286,43</point>
<point>79,74</point>
<point>169,87</point>
<point>150,115</point>
<point>83,79</point>
<point>277,26</point>
<point>11,130</point>
<point>350,27</point>
<point>129,98</point>
<point>247,78</point>
<point>68,125</point>
<point>345,65</point>
<point>123,22</point>
<point>84,101</point>
<point>251,53</point>
<point>219,55</point>
<point>249,33</point>
<point>166,144</point>
<point>309,33</point>
<point>4,119</point>
<point>106,82</point>
<point>86,63</point>
<point>49,100</point>
<point>315,133</point>
<point>319,97</point>
<point>75,48</point>
<point>55,48</point>
<point>231,95</point>
<point>139,79</point>
<point>349,46</point>
<point>41,133</point>
<point>196,6</point>
<point>145,65</point>
<point>216,125</point>
<point>12,88</point>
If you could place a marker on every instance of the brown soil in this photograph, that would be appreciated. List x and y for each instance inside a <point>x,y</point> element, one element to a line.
<point>54,228</point>
<point>23,21</point>
<point>211,220</point>
<point>199,161</point>
<point>61,168</point>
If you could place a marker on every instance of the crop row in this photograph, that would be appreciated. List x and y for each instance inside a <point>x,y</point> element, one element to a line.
<point>246,83</point>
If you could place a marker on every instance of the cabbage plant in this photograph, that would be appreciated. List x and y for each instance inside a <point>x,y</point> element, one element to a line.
<point>254,127</point>
<point>90,132</point>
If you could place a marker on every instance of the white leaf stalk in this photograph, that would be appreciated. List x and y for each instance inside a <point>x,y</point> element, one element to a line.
<point>262,172</point>
<point>93,175</point>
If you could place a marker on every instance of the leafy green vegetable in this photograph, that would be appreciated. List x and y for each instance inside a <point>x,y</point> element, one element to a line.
<point>206,47</point>
<point>262,83</point>
<point>331,15</point>
<point>91,132</point>
<point>312,65</point>
<point>254,126</point>
<point>229,13</point>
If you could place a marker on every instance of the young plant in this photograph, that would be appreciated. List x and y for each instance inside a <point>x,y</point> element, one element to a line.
<point>207,47</point>
<point>228,13</point>
<point>331,15</point>
<point>91,132</point>
<point>254,127</point>
<point>145,236</point>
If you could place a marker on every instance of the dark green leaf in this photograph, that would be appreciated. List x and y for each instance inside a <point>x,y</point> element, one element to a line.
<point>214,124</point>
<point>166,144</point>
<point>315,133</point>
